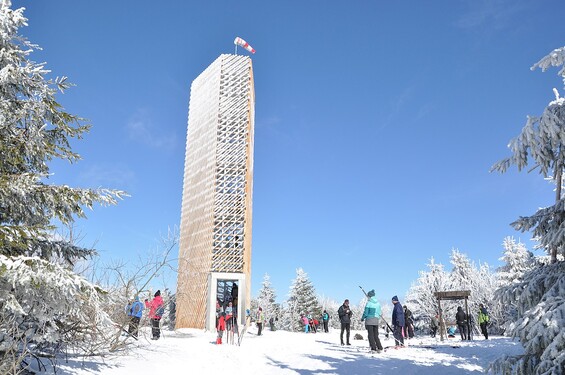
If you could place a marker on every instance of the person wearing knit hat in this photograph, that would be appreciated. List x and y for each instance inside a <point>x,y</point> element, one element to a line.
<point>397,322</point>
<point>156,310</point>
<point>372,316</point>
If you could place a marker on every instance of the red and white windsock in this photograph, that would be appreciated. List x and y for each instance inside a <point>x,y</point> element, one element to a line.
<point>240,42</point>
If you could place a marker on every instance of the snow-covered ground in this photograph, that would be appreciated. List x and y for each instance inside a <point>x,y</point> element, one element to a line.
<point>191,351</point>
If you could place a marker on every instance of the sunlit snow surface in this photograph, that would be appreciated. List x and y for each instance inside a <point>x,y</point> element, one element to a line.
<point>280,352</point>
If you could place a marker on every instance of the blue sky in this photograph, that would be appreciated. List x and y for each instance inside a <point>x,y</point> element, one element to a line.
<point>376,125</point>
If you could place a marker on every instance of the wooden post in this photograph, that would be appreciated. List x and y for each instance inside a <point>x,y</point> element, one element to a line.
<point>468,320</point>
<point>441,322</point>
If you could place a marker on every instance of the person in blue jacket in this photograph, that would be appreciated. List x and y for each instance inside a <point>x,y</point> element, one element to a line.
<point>135,312</point>
<point>397,322</point>
<point>372,316</point>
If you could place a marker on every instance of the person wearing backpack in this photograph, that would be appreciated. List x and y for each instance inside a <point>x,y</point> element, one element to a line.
<point>408,323</point>
<point>325,320</point>
<point>483,320</point>
<point>156,310</point>
<point>135,312</point>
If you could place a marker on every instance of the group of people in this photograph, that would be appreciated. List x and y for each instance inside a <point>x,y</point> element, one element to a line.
<point>312,324</point>
<point>464,323</point>
<point>372,315</point>
<point>134,310</point>
<point>309,323</point>
<point>226,320</point>
<point>402,322</point>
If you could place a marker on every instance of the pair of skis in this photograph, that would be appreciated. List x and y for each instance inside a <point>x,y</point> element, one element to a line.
<point>244,329</point>
<point>232,331</point>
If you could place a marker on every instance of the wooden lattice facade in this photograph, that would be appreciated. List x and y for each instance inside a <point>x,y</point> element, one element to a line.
<point>215,232</point>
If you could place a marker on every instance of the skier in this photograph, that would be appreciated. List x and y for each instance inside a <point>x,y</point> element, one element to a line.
<point>397,322</point>
<point>372,315</point>
<point>260,319</point>
<point>156,309</point>
<point>461,319</point>
<point>408,323</point>
<point>434,325</point>
<point>325,319</point>
<point>135,312</point>
<point>483,320</point>
<point>345,313</point>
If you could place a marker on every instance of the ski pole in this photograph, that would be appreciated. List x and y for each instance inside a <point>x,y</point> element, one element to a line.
<point>384,320</point>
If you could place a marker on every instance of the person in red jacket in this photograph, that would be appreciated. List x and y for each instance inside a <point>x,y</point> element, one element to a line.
<point>156,309</point>
<point>221,327</point>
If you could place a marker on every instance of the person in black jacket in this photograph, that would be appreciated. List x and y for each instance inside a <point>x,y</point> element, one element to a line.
<point>461,319</point>
<point>345,313</point>
<point>397,322</point>
<point>408,323</point>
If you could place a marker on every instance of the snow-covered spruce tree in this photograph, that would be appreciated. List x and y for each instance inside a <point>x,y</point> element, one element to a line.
<point>539,326</point>
<point>540,295</point>
<point>301,300</point>
<point>481,282</point>
<point>39,312</point>
<point>420,297</point>
<point>541,143</point>
<point>517,261</point>
<point>266,299</point>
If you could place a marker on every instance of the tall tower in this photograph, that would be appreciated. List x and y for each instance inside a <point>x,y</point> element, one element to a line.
<point>215,232</point>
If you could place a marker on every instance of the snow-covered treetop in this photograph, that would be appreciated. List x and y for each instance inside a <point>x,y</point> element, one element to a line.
<point>541,145</point>
<point>554,58</point>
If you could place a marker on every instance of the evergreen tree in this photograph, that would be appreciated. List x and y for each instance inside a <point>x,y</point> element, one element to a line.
<point>540,293</point>
<point>34,130</point>
<point>42,306</point>
<point>302,300</point>
<point>541,143</point>
<point>540,300</point>
<point>421,296</point>
<point>464,275</point>
<point>481,282</point>
<point>517,261</point>
<point>462,271</point>
<point>266,299</point>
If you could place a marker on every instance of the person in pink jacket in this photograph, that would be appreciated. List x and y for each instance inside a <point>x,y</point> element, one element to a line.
<point>304,319</point>
<point>156,310</point>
